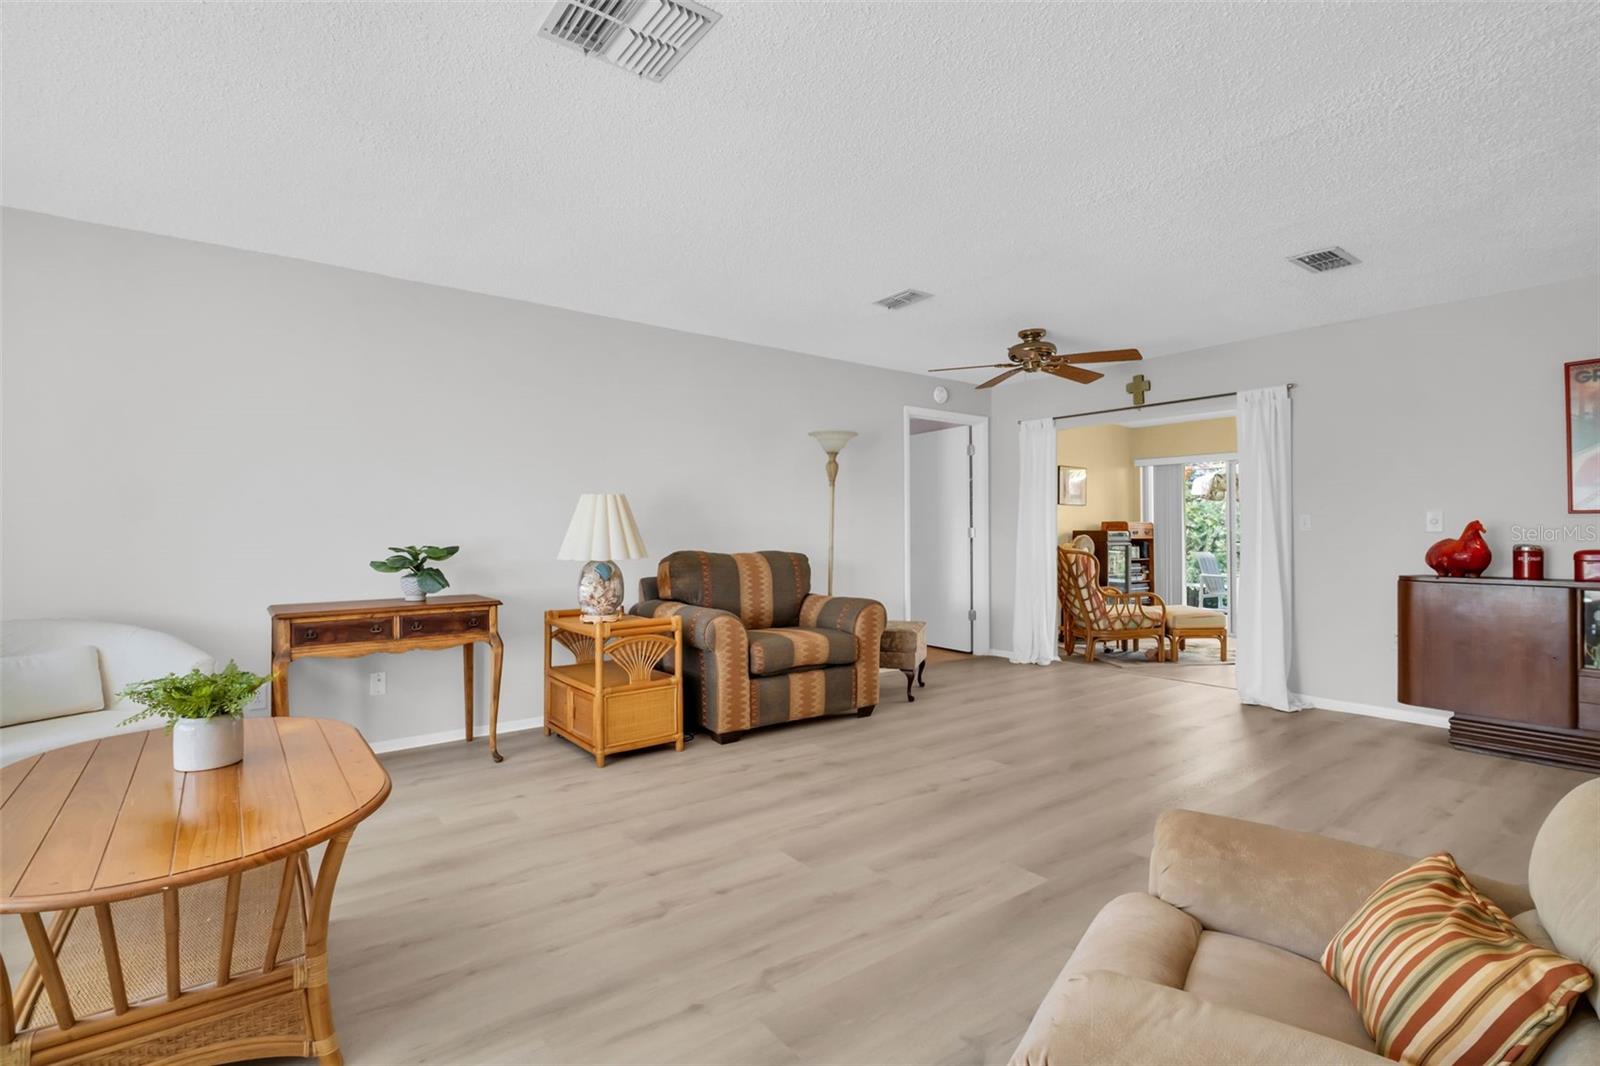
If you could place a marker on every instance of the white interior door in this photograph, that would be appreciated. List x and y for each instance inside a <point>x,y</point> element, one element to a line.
<point>941,535</point>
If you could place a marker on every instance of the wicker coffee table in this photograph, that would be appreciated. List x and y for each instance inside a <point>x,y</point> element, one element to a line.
<point>187,924</point>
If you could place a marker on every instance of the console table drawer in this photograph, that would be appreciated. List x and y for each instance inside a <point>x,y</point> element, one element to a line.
<point>424,625</point>
<point>312,634</point>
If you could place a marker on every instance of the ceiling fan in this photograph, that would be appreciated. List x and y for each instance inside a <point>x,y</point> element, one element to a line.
<point>1035,353</point>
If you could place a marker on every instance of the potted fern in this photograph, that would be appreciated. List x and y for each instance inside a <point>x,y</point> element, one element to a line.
<point>203,712</point>
<point>417,578</point>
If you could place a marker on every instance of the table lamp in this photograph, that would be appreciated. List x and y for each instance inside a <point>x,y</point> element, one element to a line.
<point>602,531</point>
<point>833,442</point>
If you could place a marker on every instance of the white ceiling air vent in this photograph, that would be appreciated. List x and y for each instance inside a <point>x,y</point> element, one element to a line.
<point>903,298</point>
<point>643,37</point>
<point>1325,259</point>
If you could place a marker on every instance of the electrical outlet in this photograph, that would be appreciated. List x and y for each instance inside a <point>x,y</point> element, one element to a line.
<point>1433,522</point>
<point>1305,522</point>
<point>258,699</point>
<point>377,683</point>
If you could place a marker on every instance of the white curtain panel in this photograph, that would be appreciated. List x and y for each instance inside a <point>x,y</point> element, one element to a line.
<point>1167,489</point>
<point>1033,623</point>
<point>1266,578</point>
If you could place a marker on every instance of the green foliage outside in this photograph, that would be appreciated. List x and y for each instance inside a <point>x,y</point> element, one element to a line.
<point>193,695</point>
<point>1205,524</point>
<point>430,578</point>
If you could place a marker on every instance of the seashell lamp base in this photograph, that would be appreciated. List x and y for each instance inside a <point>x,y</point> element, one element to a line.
<point>600,591</point>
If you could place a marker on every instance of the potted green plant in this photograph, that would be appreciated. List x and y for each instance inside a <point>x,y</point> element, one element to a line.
<point>417,578</point>
<point>203,712</point>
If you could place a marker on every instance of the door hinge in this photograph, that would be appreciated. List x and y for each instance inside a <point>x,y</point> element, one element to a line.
<point>972,614</point>
<point>972,449</point>
<point>972,533</point>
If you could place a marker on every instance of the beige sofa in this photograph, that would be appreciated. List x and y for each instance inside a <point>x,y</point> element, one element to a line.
<point>1218,961</point>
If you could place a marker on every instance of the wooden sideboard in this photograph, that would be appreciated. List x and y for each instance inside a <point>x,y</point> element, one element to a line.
<point>1505,657</point>
<point>348,629</point>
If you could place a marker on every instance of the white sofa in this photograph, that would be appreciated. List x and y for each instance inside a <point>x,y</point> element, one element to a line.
<point>127,654</point>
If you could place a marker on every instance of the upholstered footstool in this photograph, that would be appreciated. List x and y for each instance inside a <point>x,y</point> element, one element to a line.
<point>1184,623</point>
<point>905,648</point>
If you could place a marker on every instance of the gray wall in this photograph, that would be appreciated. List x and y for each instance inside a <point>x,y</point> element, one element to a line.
<point>193,432</point>
<point>1455,407</point>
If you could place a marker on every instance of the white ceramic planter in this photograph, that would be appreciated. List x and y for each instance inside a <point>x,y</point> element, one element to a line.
<point>411,589</point>
<point>207,743</point>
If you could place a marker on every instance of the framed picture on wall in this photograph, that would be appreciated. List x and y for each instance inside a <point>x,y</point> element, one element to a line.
<point>1073,487</point>
<point>1583,437</point>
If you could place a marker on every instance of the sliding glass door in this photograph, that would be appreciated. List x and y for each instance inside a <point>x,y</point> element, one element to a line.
<point>1210,533</point>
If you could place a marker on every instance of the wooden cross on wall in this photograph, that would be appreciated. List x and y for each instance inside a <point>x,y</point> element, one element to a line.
<point>1137,388</point>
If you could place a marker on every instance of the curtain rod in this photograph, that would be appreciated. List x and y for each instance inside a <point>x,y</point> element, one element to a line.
<point>1144,407</point>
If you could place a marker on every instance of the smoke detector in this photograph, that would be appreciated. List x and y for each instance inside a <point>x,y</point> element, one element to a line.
<point>1325,259</point>
<point>903,298</point>
<point>643,37</point>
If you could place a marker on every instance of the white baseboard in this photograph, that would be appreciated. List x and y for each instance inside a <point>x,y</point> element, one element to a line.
<point>1414,715</point>
<point>427,740</point>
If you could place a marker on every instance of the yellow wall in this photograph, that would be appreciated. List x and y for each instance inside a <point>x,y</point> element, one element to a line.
<point>1211,436</point>
<point>1113,488</point>
<point>1108,452</point>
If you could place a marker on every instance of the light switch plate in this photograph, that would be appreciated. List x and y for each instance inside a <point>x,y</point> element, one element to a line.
<point>377,683</point>
<point>1434,522</point>
<point>1305,521</point>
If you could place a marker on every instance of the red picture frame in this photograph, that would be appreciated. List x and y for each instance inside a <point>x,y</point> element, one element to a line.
<point>1582,415</point>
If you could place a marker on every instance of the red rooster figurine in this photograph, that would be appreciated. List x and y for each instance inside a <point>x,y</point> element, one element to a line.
<point>1466,556</point>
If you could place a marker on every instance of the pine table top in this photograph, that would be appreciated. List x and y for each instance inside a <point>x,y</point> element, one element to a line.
<point>110,819</point>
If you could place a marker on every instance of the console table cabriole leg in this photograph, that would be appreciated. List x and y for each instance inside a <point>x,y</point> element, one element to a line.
<point>324,1041</point>
<point>497,654</point>
<point>280,668</point>
<point>466,681</point>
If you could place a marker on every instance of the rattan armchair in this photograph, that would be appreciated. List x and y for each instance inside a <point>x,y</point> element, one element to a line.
<point>1099,614</point>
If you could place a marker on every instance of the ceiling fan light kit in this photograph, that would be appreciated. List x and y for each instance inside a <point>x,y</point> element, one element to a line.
<point>1033,353</point>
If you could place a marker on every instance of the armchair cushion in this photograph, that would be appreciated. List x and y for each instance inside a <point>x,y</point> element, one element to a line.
<point>1276,984</point>
<point>778,651</point>
<point>1139,936</point>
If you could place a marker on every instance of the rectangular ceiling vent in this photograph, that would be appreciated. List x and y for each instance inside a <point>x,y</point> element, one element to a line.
<point>903,298</point>
<point>1324,260</point>
<point>643,37</point>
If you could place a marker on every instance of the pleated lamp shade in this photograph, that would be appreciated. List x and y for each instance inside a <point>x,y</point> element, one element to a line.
<point>602,528</point>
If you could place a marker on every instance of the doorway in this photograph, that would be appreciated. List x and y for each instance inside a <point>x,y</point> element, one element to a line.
<point>947,527</point>
<point>1157,494</point>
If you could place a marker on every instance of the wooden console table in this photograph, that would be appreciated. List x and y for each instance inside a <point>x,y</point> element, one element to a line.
<point>1505,657</point>
<point>349,629</point>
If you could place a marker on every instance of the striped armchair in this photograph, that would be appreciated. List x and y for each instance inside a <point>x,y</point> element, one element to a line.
<point>759,648</point>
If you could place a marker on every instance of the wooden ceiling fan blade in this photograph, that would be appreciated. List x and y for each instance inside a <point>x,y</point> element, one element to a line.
<point>980,366</point>
<point>992,382</point>
<point>1116,355</point>
<point>1072,373</point>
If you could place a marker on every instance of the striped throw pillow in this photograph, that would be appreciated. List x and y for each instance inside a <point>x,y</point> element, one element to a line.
<point>1439,974</point>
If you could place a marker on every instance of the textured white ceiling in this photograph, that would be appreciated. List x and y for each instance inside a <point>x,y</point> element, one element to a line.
<point>1121,174</point>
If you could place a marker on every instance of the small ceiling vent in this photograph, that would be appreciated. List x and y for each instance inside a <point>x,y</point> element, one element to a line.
<point>1324,260</point>
<point>643,37</point>
<point>903,298</point>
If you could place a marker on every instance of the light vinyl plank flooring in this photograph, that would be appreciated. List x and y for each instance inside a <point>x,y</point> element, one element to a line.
<point>895,889</point>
